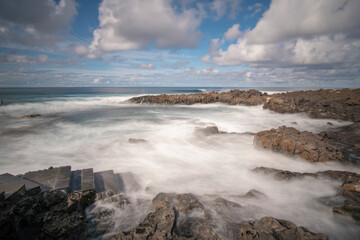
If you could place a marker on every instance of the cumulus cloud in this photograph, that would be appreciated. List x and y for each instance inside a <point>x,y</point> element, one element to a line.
<point>135,24</point>
<point>34,22</point>
<point>291,19</point>
<point>233,32</point>
<point>293,33</point>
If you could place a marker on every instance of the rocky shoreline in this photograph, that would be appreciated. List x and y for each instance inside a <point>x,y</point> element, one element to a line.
<point>60,214</point>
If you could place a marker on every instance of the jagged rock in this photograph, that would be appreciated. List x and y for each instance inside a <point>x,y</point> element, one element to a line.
<point>270,228</point>
<point>255,194</point>
<point>251,97</point>
<point>346,138</point>
<point>338,104</point>
<point>34,115</point>
<point>307,145</point>
<point>349,190</point>
<point>137,140</point>
<point>183,216</point>
<point>46,215</point>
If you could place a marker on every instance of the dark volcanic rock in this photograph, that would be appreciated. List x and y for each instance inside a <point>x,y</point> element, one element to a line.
<point>307,145</point>
<point>34,115</point>
<point>270,228</point>
<point>250,97</point>
<point>350,190</point>
<point>339,104</point>
<point>47,215</point>
<point>183,216</point>
<point>347,139</point>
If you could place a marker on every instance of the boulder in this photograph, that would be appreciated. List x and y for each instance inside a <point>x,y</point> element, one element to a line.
<point>288,140</point>
<point>34,115</point>
<point>207,131</point>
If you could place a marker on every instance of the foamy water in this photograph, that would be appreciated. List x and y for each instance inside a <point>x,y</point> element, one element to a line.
<point>94,132</point>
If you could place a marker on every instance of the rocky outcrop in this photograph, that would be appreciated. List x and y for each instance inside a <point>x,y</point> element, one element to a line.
<point>250,97</point>
<point>45,215</point>
<point>347,139</point>
<point>350,189</point>
<point>183,216</point>
<point>288,140</point>
<point>207,131</point>
<point>136,140</point>
<point>338,104</point>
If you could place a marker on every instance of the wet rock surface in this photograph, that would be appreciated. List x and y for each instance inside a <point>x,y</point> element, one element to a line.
<point>309,146</point>
<point>347,200</point>
<point>34,115</point>
<point>45,215</point>
<point>183,216</point>
<point>250,97</point>
<point>347,139</point>
<point>337,104</point>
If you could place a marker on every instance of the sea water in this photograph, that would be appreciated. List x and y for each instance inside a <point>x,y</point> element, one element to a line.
<point>91,128</point>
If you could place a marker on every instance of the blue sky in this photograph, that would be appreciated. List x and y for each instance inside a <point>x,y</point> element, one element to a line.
<point>238,43</point>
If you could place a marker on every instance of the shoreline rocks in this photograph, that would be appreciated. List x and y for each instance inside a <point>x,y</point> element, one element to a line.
<point>233,97</point>
<point>288,140</point>
<point>341,104</point>
<point>349,192</point>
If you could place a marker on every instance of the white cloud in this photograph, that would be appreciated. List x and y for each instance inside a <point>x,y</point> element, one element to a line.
<point>294,33</point>
<point>34,23</point>
<point>221,7</point>
<point>135,24</point>
<point>233,32</point>
<point>291,19</point>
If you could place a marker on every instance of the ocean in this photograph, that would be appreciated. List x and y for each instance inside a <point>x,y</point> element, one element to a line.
<point>91,128</point>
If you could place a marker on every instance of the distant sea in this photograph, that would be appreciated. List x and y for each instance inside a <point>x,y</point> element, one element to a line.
<point>28,95</point>
<point>91,128</point>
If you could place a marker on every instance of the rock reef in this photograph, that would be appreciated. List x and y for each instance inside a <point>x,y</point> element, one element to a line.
<point>250,98</point>
<point>288,140</point>
<point>337,104</point>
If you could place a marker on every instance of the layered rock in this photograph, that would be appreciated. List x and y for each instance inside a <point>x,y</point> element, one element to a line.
<point>288,140</point>
<point>338,104</point>
<point>349,191</point>
<point>183,216</point>
<point>250,97</point>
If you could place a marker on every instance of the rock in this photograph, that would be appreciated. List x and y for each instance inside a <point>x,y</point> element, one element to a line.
<point>250,97</point>
<point>208,131</point>
<point>288,140</point>
<point>271,228</point>
<point>348,196</point>
<point>341,104</point>
<point>255,194</point>
<point>183,216</point>
<point>46,215</point>
<point>137,140</point>
<point>34,115</point>
<point>347,139</point>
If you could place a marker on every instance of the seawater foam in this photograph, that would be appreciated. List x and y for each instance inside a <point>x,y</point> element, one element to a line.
<point>94,133</point>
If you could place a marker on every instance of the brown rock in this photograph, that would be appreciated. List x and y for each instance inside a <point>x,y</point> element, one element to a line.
<point>290,141</point>
<point>250,97</point>
<point>340,104</point>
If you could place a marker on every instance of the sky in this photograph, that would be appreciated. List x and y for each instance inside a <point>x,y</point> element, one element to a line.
<point>180,43</point>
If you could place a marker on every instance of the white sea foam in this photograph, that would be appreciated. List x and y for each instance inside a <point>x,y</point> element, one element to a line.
<point>95,132</point>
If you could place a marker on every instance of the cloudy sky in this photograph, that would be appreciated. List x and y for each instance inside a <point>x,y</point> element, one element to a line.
<point>239,43</point>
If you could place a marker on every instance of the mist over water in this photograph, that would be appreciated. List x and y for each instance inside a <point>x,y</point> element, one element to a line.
<point>94,132</point>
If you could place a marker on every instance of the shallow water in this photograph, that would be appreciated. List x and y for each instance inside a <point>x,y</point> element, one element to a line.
<point>93,131</point>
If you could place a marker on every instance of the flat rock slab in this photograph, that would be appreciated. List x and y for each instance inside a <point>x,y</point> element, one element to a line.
<point>127,182</point>
<point>82,180</point>
<point>54,178</point>
<point>105,181</point>
<point>10,184</point>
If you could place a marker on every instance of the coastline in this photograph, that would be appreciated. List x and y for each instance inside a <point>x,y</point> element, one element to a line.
<point>338,104</point>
